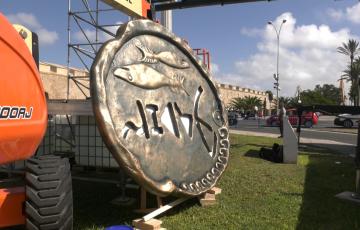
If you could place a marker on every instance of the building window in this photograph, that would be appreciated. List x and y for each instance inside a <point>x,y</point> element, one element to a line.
<point>53,68</point>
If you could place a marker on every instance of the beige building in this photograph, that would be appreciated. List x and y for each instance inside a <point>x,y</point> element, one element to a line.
<point>228,92</point>
<point>55,82</point>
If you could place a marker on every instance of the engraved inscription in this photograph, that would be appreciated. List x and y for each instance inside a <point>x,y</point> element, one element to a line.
<point>159,111</point>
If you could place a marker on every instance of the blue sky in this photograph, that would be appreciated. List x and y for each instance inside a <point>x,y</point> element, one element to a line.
<point>242,46</point>
<point>219,28</point>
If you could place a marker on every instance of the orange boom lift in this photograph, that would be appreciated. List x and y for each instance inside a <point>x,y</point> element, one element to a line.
<point>38,202</point>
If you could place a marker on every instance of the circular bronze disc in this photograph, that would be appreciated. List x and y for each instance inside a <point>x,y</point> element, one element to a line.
<point>158,111</point>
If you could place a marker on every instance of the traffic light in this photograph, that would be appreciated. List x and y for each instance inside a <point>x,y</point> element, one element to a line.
<point>276,77</point>
<point>276,86</point>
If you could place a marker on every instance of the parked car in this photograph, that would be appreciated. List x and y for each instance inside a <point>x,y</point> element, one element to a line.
<point>250,116</point>
<point>346,120</point>
<point>232,118</point>
<point>308,119</point>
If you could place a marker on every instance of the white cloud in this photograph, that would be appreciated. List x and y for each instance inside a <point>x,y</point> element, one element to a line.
<point>46,37</point>
<point>28,20</point>
<point>303,36</point>
<point>251,32</point>
<point>79,35</point>
<point>353,13</point>
<point>308,57</point>
<point>335,14</point>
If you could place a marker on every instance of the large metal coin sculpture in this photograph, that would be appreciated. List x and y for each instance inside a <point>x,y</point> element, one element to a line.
<point>158,111</point>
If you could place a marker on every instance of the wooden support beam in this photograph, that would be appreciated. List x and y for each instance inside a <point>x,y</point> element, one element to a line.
<point>164,208</point>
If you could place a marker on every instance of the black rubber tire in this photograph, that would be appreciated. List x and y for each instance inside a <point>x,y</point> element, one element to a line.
<point>348,124</point>
<point>308,124</point>
<point>49,203</point>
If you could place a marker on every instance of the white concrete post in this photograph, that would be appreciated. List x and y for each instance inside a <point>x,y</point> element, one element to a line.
<point>290,148</point>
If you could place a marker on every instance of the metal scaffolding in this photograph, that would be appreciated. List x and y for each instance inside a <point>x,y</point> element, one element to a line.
<point>85,21</point>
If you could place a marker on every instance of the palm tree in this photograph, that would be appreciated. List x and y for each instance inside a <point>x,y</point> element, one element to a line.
<point>237,104</point>
<point>351,48</point>
<point>352,73</point>
<point>352,94</point>
<point>270,95</point>
<point>246,103</point>
<point>286,101</point>
<point>271,99</point>
<point>250,102</point>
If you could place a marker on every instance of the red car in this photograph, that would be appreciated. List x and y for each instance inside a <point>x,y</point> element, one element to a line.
<point>308,119</point>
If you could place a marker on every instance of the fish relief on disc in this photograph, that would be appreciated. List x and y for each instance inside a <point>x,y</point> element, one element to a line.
<point>158,111</point>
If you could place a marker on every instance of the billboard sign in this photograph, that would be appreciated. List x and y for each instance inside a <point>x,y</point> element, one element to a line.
<point>134,8</point>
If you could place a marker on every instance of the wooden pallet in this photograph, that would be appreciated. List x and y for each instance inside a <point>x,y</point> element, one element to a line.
<point>209,198</point>
<point>149,223</point>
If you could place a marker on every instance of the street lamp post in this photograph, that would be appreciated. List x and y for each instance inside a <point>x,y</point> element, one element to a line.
<point>276,77</point>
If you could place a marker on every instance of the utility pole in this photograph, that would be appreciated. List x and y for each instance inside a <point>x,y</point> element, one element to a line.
<point>166,19</point>
<point>276,76</point>
<point>298,94</point>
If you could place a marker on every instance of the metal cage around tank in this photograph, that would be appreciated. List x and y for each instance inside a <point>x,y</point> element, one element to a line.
<point>76,136</point>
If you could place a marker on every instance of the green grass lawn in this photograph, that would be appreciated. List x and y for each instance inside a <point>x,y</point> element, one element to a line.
<point>256,194</point>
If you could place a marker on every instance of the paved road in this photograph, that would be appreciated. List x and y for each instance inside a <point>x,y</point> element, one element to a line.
<point>324,130</point>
